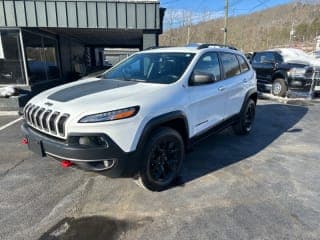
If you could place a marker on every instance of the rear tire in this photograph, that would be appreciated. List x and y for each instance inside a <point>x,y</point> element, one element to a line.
<point>279,87</point>
<point>244,126</point>
<point>162,159</point>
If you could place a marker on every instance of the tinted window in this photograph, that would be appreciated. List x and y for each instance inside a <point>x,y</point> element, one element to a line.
<point>243,64</point>
<point>265,57</point>
<point>209,63</point>
<point>162,68</point>
<point>230,64</point>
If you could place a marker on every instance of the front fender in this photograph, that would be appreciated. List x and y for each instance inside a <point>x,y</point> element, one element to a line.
<point>157,121</point>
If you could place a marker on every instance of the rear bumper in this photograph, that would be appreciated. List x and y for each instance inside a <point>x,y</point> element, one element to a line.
<point>87,157</point>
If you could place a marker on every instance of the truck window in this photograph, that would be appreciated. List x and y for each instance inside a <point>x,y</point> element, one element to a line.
<point>264,57</point>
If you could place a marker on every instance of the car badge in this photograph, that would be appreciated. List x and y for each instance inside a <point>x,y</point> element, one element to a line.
<point>48,104</point>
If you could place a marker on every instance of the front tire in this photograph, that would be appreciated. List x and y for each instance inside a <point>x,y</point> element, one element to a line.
<point>244,126</point>
<point>279,87</point>
<point>162,159</point>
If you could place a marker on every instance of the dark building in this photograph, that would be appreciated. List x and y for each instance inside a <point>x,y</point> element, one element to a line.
<point>46,43</point>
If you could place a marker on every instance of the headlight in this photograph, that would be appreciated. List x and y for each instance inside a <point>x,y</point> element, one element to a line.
<point>110,116</point>
<point>297,71</point>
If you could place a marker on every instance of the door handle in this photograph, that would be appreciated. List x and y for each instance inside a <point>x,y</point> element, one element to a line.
<point>245,80</point>
<point>221,89</point>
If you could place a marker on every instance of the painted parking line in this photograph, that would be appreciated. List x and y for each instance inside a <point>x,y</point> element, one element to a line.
<point>10,123</point>
<point>9,113</point>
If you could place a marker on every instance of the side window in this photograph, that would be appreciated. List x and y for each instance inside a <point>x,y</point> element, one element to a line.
<point>265,57</point>
<point>209,63</point>
<point>279,58</point>
<point>243,64</point>
<point>230,64</point>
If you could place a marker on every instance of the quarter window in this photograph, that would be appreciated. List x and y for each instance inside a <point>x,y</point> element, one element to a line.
<point>230,64</point>
<point>243,64</point>
<point>209,63</point>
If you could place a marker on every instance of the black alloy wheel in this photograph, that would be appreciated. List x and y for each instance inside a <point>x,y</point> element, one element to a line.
<point>163,159</point>
<point>249,116</point>
<point>244,125</point>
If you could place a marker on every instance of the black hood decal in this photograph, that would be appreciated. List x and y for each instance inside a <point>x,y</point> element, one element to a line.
<point>71,93</point>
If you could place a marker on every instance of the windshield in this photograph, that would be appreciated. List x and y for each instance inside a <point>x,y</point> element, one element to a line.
<point>163,68</point>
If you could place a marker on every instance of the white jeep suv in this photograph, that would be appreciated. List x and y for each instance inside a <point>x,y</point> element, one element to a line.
<point>140,116</point>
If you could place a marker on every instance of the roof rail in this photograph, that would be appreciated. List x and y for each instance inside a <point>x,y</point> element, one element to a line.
<point>156,47</point>
<point>207,45</point>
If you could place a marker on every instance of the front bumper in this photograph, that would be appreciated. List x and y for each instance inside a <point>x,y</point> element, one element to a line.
<point>89,157</point>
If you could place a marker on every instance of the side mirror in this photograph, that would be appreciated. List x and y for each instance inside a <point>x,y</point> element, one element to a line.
<point>201,79</point>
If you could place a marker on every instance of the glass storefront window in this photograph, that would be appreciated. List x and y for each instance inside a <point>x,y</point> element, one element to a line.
<point>41,56</point>
<point>11,63</point>
<point>50,47</point>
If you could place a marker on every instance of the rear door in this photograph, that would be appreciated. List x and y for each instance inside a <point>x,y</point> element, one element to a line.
<point>233,83</point>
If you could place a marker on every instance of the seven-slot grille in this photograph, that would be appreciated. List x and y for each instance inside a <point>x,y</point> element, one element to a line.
<point>46,120</point>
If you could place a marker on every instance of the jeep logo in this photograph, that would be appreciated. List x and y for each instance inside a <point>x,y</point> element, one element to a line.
<point>48,104</point>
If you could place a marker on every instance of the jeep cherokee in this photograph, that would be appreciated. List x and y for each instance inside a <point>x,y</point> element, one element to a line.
<point>139,118</point>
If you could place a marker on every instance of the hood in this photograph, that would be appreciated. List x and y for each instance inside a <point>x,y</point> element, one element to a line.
<point>89,88</point>
<point>297,56</point>
<point>94,95</point>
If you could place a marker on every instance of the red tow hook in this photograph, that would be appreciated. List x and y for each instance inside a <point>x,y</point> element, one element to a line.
<point>24,141</point>
<point>66,163</point>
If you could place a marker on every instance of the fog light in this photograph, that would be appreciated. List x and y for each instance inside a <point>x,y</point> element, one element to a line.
<point>84,141</point>
<point>108,163</point>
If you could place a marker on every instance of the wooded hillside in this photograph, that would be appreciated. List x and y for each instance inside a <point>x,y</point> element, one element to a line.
<point>257,31</point>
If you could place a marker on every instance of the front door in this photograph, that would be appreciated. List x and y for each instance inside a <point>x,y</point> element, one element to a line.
<point>207,102</point>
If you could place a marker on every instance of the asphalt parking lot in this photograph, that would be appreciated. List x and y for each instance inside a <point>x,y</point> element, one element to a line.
<point>262,186</point>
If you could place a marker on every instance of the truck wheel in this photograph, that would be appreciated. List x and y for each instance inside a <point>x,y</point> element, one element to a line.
<point>162,159</point>
<point>279,87</point>
<point>246,120</point>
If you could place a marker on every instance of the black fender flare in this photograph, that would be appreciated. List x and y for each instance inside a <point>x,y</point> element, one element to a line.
<point>252,93</point>
<point>159,120</point>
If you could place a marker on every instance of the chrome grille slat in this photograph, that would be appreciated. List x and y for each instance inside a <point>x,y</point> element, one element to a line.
<point>61,124</point>
<point>29,113</point>
<point>25,111</point>
<point>37,117</point>
<point>41,117</point>
<point>34,116</point>
<point>52,122</point>
<point>46,120</point>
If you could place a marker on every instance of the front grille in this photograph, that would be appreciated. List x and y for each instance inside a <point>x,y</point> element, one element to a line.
<point>46,120</point>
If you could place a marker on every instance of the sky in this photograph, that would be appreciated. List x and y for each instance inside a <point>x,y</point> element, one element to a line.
<point>214,8</point>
